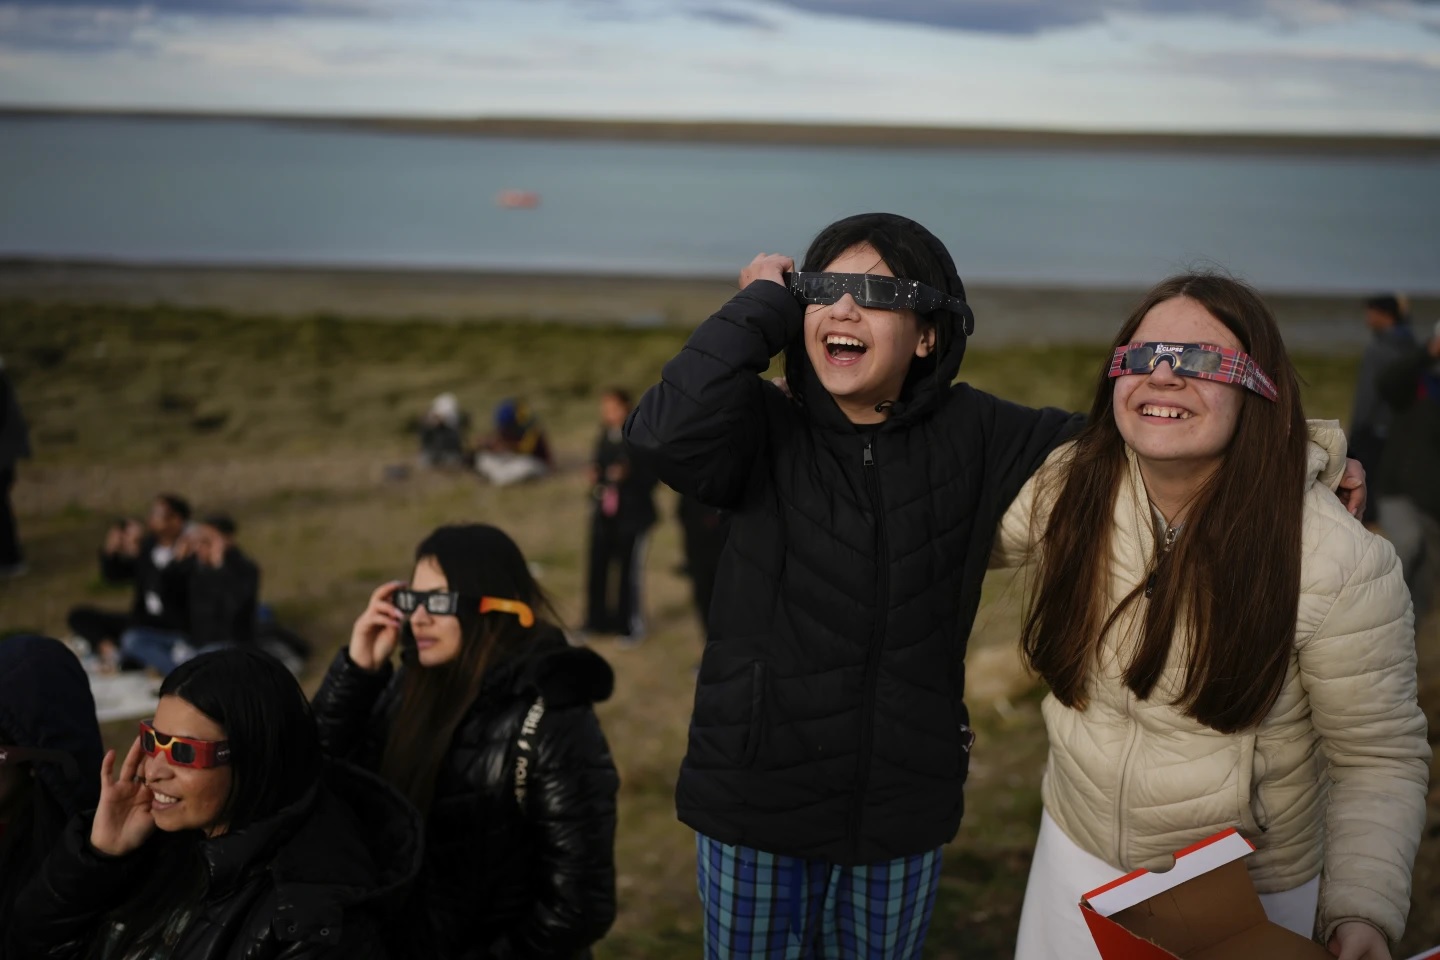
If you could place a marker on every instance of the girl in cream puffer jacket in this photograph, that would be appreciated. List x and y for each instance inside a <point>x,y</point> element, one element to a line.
<point>1330,783</point>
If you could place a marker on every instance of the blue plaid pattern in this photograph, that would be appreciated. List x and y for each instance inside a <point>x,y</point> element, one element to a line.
<point>761,904</point>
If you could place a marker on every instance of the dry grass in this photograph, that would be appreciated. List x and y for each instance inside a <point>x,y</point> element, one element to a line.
<point>290,424</point>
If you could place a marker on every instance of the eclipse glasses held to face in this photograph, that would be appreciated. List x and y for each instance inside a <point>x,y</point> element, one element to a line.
<point>878,292</point>
<point>1205,361</point>
<point>442,604</point>
<point>184,751</point>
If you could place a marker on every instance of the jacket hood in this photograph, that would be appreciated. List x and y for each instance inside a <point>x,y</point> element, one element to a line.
<point>46,704</point>
<point>564,675</point>
<point>927,380</point>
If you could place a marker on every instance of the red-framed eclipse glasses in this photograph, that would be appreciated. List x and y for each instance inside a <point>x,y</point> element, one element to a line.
<point>184,751</point>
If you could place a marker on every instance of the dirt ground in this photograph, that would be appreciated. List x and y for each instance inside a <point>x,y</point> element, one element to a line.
<point>299,427</point>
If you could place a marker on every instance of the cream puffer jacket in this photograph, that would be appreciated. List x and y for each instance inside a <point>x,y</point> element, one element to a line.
<point>1132,781</point>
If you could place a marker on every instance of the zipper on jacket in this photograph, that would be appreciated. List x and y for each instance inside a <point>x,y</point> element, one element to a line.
<point>877,640</point>
<point>1170,534</point>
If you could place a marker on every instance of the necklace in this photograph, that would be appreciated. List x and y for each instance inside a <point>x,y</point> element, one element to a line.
<point>1171,533</point>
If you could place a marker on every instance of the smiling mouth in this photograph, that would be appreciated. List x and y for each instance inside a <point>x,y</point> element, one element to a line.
<point>1164,413</point>
<point>844,349</point>
<point>163,799</point>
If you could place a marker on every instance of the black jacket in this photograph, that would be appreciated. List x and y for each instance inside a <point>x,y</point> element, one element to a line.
<point>829,719</point>
<point>305,884</point>
<point>222,602</point>
<point>501,881</point>
<point>160,596</point>
<point>14,433</point>
<point>636,492</point>
<point>45,704</point>
<point>1411,463</point>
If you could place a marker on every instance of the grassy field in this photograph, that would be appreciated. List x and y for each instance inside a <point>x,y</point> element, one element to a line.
<point>291,424</point>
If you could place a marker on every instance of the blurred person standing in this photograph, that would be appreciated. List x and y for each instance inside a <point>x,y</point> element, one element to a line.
<point>624,510</point>
<point>49,750</point>
<point>518,450</point>
<point>1409,480</point>
<point>14,447</point>
<point>1391,338</point>
<point>143,555</point>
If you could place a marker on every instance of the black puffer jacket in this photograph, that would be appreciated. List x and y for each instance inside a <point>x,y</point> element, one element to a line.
<point>501,881</point>
<point>45,704</point>
<point>829,719</point>
<point>306,884</point>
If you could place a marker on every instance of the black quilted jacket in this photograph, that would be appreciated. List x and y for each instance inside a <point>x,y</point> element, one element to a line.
<point>306,884</point>
<point>500,881</point>
<point>829,719</point>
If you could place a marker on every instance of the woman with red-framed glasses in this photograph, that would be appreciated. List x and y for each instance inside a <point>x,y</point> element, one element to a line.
<point>488,726</point>
<point>1225,645</point>
<point>226,835</point>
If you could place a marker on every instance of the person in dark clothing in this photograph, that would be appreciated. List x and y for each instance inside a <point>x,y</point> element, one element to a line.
<point>705,530</point>
<point>1390,339</point>
<point>222,596</point>
<point>226,836</point>
<point>489,727</point>
<point>830,741</point>
<point>49,748</point>
<point>1409,482</point>
<point>623,513</point>
<point>145,557</point>
<point>14,447</point>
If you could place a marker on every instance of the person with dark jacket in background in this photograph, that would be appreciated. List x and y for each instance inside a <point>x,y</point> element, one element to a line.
<point>1409,482</point>
<point>142,555</point>
<point>49,749</point>
<point>489,728</point>
<point>14,447</point>
<point>226,837</point>
<point>624,510</point>
<point>1391,339</point>
<point>830,741</point>
<point>222,597</point>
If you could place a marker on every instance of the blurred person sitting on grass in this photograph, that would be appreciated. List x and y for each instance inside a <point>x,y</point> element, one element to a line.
<point>442,433</point>
<point>518,449</point>
<point>227,836</point>
<point>49,749</point>
<point>144,555</point>
<point>222,597</point>
<point>489,727</point>
<point>623,495</point>
<point>1224,645</point>
<point>1409,482</point>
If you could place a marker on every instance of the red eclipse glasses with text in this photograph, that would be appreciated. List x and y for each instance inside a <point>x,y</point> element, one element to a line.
<point>1205,361</point>
<point>184,751</point>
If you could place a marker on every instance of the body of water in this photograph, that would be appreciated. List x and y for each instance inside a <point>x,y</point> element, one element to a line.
<point>250,192</point>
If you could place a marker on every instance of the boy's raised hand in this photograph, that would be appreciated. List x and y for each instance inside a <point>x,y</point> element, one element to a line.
<point>767,266</point>
<point>123,820</point>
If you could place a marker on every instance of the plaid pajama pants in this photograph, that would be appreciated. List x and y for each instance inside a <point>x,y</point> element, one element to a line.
<point>761,904</point>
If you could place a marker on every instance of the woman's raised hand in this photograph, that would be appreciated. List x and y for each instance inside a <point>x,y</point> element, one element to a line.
<point>377,630</point>
<point>123,820</point>
<point>767,266</point>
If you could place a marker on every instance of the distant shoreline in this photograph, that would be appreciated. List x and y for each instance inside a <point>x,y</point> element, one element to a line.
<point>1007,315</point>
<point>798,134</point>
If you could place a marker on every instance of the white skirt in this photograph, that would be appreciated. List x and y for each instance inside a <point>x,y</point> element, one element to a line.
<point>1052,927</point>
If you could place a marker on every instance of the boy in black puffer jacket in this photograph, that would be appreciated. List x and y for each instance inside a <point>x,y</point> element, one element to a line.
<point>830,742</point>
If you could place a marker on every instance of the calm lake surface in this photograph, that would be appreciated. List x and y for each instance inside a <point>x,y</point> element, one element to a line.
<point>184,191</point>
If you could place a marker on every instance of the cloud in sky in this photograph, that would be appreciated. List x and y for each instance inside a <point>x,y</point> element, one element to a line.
<point>1097,64</point>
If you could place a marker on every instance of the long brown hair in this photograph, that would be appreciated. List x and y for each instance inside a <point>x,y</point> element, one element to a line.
<point>477,560</point>
<point>1231,582</point>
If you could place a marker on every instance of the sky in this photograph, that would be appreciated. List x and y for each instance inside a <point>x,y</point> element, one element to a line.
<point>1329,66</point>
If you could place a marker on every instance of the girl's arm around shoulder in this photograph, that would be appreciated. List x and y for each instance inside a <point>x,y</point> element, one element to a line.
<point>1355,641</point>
<point>1017,439</point>
<point>1023,525</point>
<point>700,428</point>
<point>570,805</point>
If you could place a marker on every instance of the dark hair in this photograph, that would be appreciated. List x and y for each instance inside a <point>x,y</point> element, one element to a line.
<point>221,522</point>
<point>1230,587</point>
<point>1387,303</point>
<point>275,761</point>
<point>619,393</point>
<point>477,560</point>
<point>176,504</point>
<point>911,252</point>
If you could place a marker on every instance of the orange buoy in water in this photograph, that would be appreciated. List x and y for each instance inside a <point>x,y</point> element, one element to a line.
<point>518,199</point>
